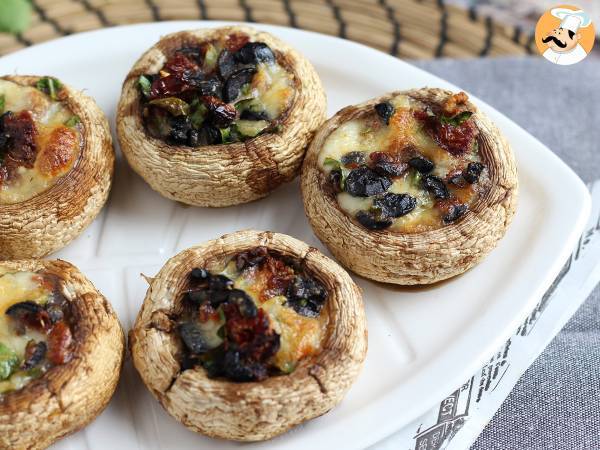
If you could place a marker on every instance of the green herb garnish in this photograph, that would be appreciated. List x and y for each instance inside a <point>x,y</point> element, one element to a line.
<point>2,103</point>
<point>49,86</point>
<point>145,84</point>
<point>9,361</point>
<point>415,178</point>
<point>225,135</point>
<point>333,163</point>
<point>210,58</point>
<point>73,120</point>
<point>457,119</point>
<point>199,114</point>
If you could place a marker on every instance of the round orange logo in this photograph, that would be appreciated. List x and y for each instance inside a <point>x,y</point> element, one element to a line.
<point>565,35</point>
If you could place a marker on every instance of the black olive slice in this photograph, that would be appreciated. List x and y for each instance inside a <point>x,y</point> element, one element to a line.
<point>211,87</point>
<point>455,213</point>
<point>306,296</point>
<point>335,178</point>
<point>249,114</point>
<point>385,110</point>
<point>226,64</point>
<point>368,220</point>
<point>365,182</point>
<point>421,164</point>
<point>200,274</point>
<point>180,129</point>
<point>192,336</point>
<point>472,172</point>
<point>255,52</point>
<point>243,301</point>
<point>34,354</point>
<point>350,158</point>
<point>435,186</point>
<point>395,205</point>
<point>235,82</point>
<point>19,310</point>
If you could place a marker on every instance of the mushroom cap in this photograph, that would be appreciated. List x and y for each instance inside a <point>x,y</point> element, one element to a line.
<point>417,258</point>
<point>225,174</point>
<point>50,220</point>
<point>249,411</point>
<point>69,396</point>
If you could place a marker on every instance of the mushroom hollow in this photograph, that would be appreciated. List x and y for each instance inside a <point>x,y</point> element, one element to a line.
<point>227,345</point>
<point>56,165</point>
<point>219,117</point>
<point>61,352</point>
<point>413,187</point>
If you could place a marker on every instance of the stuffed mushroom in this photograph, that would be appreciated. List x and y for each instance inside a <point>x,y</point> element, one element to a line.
<point>410,188</point>
<point>56,165</point>
<point>61,350</point>
<point>248,335</point>
<point>219,117</point>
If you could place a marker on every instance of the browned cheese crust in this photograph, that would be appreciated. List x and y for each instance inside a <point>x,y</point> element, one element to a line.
<point>68,396</point>
<point>225,174</point>
<point>50,220</point>
<point>419,258</point>
<point>249,411</point>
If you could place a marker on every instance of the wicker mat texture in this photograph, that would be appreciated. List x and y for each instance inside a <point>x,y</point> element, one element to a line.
<point>417,29</point>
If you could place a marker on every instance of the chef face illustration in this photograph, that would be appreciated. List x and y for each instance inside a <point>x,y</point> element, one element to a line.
<point>562,42</point>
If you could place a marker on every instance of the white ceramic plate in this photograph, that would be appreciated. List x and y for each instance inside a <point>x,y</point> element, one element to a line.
<point>423,342</point>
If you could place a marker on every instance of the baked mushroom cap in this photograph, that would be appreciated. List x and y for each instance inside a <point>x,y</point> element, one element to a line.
<point>50,220</point>
<point>224,174</point>
<point>424,257</point>
<point>249,411</point>
<point>71,395</point>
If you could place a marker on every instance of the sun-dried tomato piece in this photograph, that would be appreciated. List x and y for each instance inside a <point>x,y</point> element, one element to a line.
<point>421,114</point>
<point>179,64</point>
<point>168,86</point>
<point>252,336</point>
<point>60,342</point>
<point>17,138</point>
<point>236,41</point>
<point>222,113</point>
<point>455,139</point>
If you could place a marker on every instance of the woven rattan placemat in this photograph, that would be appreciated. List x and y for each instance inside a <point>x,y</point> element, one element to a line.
<point>406,28</point>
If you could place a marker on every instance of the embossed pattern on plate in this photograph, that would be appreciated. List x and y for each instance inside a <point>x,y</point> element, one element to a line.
<point>423,342</point>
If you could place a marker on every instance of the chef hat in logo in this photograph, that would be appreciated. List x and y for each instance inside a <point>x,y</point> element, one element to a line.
<point>572,20</point>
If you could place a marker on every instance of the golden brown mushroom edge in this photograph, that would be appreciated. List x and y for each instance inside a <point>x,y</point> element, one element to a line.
<point>321,344</point>
<point>62,350</point>
<point>219,117</point>
<point>413,187</point>
<point>57,165</point>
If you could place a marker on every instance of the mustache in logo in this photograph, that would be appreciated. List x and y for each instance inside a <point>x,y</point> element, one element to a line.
<point>558,42</point>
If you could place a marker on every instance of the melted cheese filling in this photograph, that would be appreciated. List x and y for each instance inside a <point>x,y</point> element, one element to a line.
<point>370,134</point>
<point>300,336</point>
<point>58,146</point>
<point>272,87</point>
<point>14,288</point>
